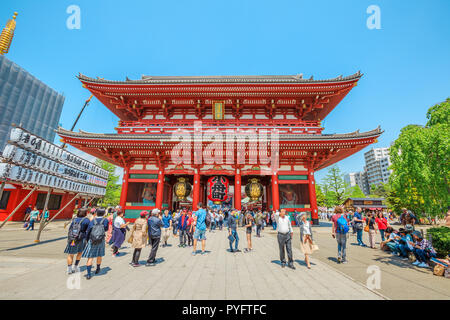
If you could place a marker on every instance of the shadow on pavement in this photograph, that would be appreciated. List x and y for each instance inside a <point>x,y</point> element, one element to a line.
<point>35,244</point>
<point>323,224</point>
<point>103,271</point>
<point>278,262</point>
<point>302,263</point>
<point>334,259</point>
<point>396,261</point>
<point>121,254</point>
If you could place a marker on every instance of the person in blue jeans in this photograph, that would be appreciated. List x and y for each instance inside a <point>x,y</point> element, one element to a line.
<point>274,222</point>
<point>405,243</point>
<point>359,226</point>
<point>232,231</point>
<point>34,216</point>
<point>200,228</point>
<point>423,250</point>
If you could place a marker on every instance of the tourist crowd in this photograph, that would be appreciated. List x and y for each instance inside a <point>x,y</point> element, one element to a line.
<point>92,229</point>
<point>406,242</point>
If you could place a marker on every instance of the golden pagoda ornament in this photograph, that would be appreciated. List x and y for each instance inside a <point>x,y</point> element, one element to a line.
<point>7,35</point>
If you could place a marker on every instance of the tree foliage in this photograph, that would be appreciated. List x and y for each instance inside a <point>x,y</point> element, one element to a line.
<point>320,196</point>
<point>356,192</point>
<point>113,188</point>
<point>421,164</point>
<point>334,187</point>
<point>379,190</point>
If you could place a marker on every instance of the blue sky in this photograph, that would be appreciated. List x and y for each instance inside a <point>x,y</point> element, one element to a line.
<point>406,64</point>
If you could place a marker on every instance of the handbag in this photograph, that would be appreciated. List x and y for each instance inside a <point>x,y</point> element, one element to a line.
<point>315,247</point>
<point>366,228</point>
<point>131,238</point>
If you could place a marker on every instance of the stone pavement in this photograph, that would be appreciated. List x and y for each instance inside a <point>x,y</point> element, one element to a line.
<point>399,278</point>
<point>29,271</point>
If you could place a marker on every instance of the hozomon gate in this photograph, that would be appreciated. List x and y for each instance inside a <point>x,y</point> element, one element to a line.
<point>241,127</point>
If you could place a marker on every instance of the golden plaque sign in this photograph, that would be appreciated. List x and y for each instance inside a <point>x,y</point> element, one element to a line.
<point>218,110</point>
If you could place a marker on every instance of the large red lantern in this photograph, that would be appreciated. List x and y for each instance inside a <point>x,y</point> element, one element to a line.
<point>218,189</point>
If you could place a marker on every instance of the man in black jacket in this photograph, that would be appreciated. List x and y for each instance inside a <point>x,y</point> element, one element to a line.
<point>154,235</point>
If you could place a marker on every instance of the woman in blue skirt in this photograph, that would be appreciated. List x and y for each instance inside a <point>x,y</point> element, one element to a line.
<point>95,236</point>
<point>76,240</point>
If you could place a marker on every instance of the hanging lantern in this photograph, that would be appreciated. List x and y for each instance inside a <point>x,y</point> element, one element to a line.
<point>254,189</point>
<point>182,189</point>
<point>218,189</point>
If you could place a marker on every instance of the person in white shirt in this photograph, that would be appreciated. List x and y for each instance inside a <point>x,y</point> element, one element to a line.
<point>285,232</point>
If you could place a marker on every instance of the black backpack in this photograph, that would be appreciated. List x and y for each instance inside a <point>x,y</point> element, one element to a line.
<point>75,233</point>
<point>97,232</point>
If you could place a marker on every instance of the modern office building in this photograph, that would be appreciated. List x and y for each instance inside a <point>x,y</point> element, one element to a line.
<point>358,178</point>
<point>377,164</point>
<point>27,101</point>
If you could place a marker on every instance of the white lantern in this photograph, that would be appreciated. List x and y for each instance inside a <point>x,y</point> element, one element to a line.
<point>9,151</point>
<point>16,135</point>
<point>4,170</point>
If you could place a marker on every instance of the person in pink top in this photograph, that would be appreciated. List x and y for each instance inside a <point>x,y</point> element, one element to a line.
<point>110,227</point>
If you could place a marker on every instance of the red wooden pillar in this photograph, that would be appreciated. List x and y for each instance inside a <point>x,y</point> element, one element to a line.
<point>275,192</point>
<point>196,191</point>
<point>123,194</point>
<point>160,189</point>
<point>237,189</point>
<point>312,198</point>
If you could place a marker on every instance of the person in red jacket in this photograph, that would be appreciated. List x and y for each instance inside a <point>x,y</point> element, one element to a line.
<point>182,227</point>
<point>190,229</point>
<point>382,223</point>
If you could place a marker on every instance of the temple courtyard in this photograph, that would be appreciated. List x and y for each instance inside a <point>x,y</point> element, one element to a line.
<point>37,271</point>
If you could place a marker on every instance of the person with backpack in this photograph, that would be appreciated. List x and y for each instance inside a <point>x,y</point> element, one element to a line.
<point>200,224</point>
<point>119,232</point>
<point>76,240</point>
<point>339,232</point>
<point>95,235</point>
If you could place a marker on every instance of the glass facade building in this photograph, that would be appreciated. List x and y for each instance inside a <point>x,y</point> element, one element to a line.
<point>27,101</point>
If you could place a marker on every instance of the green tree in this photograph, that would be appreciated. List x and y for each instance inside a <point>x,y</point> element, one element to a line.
<point>336,190</point>
<point>421,164</point>
<point>113,188</point>
<point>379,191</point>
<point>356,192</point>
<point>320,196</point>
